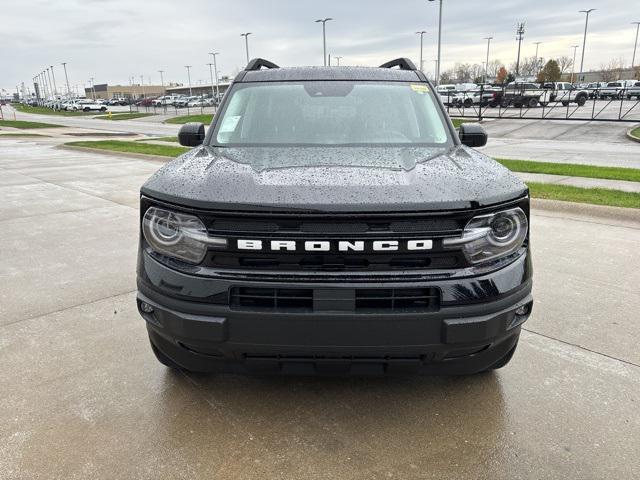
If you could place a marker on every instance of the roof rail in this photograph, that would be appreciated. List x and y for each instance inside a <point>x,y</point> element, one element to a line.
<point>403,63</point>
<point>258,63</point>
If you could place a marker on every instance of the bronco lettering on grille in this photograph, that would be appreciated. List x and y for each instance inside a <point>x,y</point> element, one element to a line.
<point>334,245</point>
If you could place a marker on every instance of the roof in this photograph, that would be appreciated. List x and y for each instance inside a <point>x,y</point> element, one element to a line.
<point>328,73</point>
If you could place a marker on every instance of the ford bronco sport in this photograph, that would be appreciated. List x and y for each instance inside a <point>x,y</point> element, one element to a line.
<point>332,221</point>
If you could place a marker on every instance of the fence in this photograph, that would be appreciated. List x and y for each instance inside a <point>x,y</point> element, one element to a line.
<point>608,104</point>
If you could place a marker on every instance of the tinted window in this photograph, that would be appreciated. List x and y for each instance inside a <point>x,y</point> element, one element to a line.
<point>331,113</point>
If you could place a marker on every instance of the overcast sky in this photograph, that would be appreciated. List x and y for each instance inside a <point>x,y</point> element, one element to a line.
<point>112,40</point>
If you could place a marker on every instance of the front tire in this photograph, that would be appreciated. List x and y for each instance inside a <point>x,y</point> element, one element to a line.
<point>532,103</point>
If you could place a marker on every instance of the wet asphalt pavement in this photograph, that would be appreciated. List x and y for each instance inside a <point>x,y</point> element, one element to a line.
<point>82,396</point>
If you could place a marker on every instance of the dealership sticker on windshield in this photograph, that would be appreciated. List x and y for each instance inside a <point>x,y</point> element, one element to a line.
<point>419,88</point>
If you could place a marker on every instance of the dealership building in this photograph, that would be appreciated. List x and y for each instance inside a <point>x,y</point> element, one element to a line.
<point>106,91</point>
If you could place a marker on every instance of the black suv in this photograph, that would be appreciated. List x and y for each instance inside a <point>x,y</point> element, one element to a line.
<point>333,221</point>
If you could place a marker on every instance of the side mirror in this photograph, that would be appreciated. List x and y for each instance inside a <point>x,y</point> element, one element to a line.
<point>472,135</point>
<point>191,134</point>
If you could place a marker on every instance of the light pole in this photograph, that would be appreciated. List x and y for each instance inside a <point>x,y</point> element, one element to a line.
<point>421,33</point>
<point>439,42</point>
<point>66,77</point>
<point>573,65</point>
<point>55,88</point>
<point>213,92</point>
<point>337,60</point>
<point>635,45</point>
<point>161,72</point>
<point>46,87</point>
<point>486,65</point>
<point>324,38</point>
<point>246,43</point>
<point>537,44</point>
<point>188,67</point>
<point>142,85</point>
<point>53,93</point>
<point>584,40</point>
<point>215,70</point>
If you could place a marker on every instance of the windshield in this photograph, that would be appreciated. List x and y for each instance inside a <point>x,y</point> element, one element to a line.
<point>331,113</point>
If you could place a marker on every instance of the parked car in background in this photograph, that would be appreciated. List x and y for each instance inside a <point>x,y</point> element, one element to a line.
<point>633,91</point>
<point>566,93</point>
<point>613,90</point>
<point>90,106</point>
<point>525,94</point>
<point>447,93</point>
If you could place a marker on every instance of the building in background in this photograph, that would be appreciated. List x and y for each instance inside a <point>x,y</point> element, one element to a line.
<point>106,91</point>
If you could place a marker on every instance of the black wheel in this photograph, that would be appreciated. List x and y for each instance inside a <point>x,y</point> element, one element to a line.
<point>504,360</point>
<point>468,102</point>
<point>565,104</point>
<point>581,100</point>
<point>163,359</point>
<point>532,102</point>
<point>86,109</point>
<point>517,104</point>
<point>103,109</point>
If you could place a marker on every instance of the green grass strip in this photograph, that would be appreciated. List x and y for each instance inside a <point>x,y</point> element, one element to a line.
<point>132,147</point>
<point>572,170</point>
<point>26,125</point>
<point>636,133</point>
<point>48,111</point>
<point>124,116</point>
<point>595,196</point>
<point>204,118</point>
<point>159,139</point>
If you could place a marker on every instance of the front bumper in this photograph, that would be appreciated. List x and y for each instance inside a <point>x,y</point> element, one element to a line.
<point>475,326</point>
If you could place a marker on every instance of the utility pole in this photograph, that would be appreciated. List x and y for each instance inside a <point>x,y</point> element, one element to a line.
<point>421,33</point>
<point>584,40</point>
<point>486,65</point>
<point>66,77</point>
<point>215,71</point>
<point>635,45</point>
<point>519,37</point>
<point>246,43</point>
<point>142,85</point>
<point>573,65</point>
<point>55,88</point>
<point>161,78</point>
<point>438,64</point>
<point>188,67</point>
<point>324,37</point>
<point>337,60</point>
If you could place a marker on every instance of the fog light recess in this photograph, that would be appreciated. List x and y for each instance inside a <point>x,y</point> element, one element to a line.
<point>522,310</point>
<point>146,308</point>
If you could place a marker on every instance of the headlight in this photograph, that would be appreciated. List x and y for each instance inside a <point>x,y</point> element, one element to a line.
<point>178,235</point>
<point>487,237</point>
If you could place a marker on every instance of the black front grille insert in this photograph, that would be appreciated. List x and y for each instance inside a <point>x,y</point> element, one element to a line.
<point>363,300</point>
<point>397,299</point>
<point>271,299</point>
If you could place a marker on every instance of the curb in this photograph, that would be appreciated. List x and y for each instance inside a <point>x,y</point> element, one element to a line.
<point>586,209</point>
<point>142,156</point>
<point>631,137</point>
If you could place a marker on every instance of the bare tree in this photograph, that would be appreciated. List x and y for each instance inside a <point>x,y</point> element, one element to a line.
<point>565,63</point>
<point>610,72</point>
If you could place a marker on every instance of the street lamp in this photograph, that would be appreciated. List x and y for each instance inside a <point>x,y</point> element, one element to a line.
<point>584,40</point>
<point>421,33</point>
<point>213,92</point>
<point>486,65</point>
<point>55,88</point>
<point>537,44</point>
<point>53,93</point>
<point>439,42</point>
<point>188,67</point>
<point>141,86</point>
<point>215,69</point>
<point>635,45</point>
<point>324,37</point>
<point>337,60</point>
<point>66,77</point>
<point>161,72</point>
<point>246,43</point>
<point>573,65</point>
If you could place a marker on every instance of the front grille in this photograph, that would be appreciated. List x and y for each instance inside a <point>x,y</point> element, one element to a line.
<point>360,300</point>
<point>335,227</point>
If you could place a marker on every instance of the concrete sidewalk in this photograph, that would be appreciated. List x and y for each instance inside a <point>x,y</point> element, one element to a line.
<point>581,182</point>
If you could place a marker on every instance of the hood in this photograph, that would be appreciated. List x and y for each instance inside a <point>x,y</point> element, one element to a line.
<point>341,179</point>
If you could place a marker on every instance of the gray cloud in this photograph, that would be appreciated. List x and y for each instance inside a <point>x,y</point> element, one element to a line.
<point>114,39</point>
